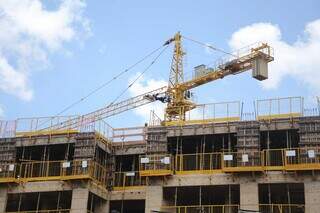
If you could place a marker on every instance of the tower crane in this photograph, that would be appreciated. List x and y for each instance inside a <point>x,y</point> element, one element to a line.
<point>177,93</point>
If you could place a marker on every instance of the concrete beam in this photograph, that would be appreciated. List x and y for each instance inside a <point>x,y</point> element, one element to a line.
<point>43,186</point>
<point>133,194</point>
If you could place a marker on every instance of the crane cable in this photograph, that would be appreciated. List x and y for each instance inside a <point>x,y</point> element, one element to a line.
<point>139,76</point>
<point>209,46</point>
<point>107,83</point>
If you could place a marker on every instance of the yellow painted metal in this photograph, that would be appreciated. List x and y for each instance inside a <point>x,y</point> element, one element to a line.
<point>254,161</point>
<point>274,159</point>
<point>204,162</point>
<point>56,170</point>
<point>45,132</point>
<point>45,211</point>
<point>281,208</point>
<point>178,90</point>
<point>242,161</point>
<point>279,116</point>
<point>204,121</point>
<point>279,108</point>
<point>128,180</point>
<point>155,165</point>
<point>177,96</point>
<point>307,158</point>
<point>202,208</point>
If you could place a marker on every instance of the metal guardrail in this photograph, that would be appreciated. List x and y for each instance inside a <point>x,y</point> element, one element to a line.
<point>282,208</point>
<point>128,179</point>
<point>53,170</point>
<point>234,208</point>
<point>155,165</point>
<point>307,158</point>
<point>24,127</point>
<point>202,208</point>
<point>44,211</point>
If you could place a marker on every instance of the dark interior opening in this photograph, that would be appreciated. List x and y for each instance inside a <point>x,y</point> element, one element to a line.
<point>202,143</point>
<point>279,139</point>
<point>39,201</point>
<point>202,195</point>
<point>127,163</point>
<point>281,193</point>
<point>45,153</point>
<point>127,206</point>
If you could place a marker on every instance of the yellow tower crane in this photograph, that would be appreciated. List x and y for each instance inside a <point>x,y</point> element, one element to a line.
<point>177,94</point>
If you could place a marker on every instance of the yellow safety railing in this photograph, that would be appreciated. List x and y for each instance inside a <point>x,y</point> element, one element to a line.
<point>276,108</point>
<point>54,170</point>
<point>307,158</point>
<point>281,208</point>
<point>155,165</point>
<point>127,180</point>
<point>209,113</point>
<point>202,208</point>
<point>274,159</point>
<point>44,211</point>
<point>58,125</point>
<point>242,161</point>
<point>206,162</point>
<point>8,172</point>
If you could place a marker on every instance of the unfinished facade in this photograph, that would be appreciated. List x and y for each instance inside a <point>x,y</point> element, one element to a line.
<point>265,162</point>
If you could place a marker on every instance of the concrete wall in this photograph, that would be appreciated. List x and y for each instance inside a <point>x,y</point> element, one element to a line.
<point>3,198</point>
<point>249,196</point>
<point>103,206</point>
<point>79,200</point>
<point>153,198</point>
<point>312,196</point>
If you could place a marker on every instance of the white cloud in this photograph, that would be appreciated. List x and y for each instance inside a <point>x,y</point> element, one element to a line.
<point>299,60</point>
<point>143,86</point>
<point>29,33</point>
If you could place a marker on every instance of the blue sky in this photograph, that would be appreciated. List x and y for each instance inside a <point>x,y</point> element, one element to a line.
<point>108,36</point>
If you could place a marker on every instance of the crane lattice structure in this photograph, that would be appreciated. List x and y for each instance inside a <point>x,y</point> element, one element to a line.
<point>177,94</point>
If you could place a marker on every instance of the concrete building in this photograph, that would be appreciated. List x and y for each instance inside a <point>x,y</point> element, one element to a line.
<point>264,162</point>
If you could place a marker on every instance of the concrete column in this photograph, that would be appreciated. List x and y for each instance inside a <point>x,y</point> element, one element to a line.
<point>312,196</point>
<point>79,200</point>
<point>153,198</point>
<point>103,206</point>
<point>249,196</point>
<point>3,199</point>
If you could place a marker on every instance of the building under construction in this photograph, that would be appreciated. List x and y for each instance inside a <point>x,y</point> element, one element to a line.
<point>200,158</point>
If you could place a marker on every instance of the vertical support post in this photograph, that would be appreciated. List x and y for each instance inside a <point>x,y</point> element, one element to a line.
<point>312,196</point>
<point>79,200</point>
<point>153,198</point>
<point>103,206</point>
<point>3,199</point>
<point>249,196</point>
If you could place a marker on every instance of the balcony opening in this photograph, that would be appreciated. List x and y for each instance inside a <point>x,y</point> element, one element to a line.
<point>202,143</point>
<point>45,153</point>
<point>127,206</point>
<point>279,139</point>
<point>127,163</point>
<point>37,201</point>
<point>216,196</point>
<point>286,196</point>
